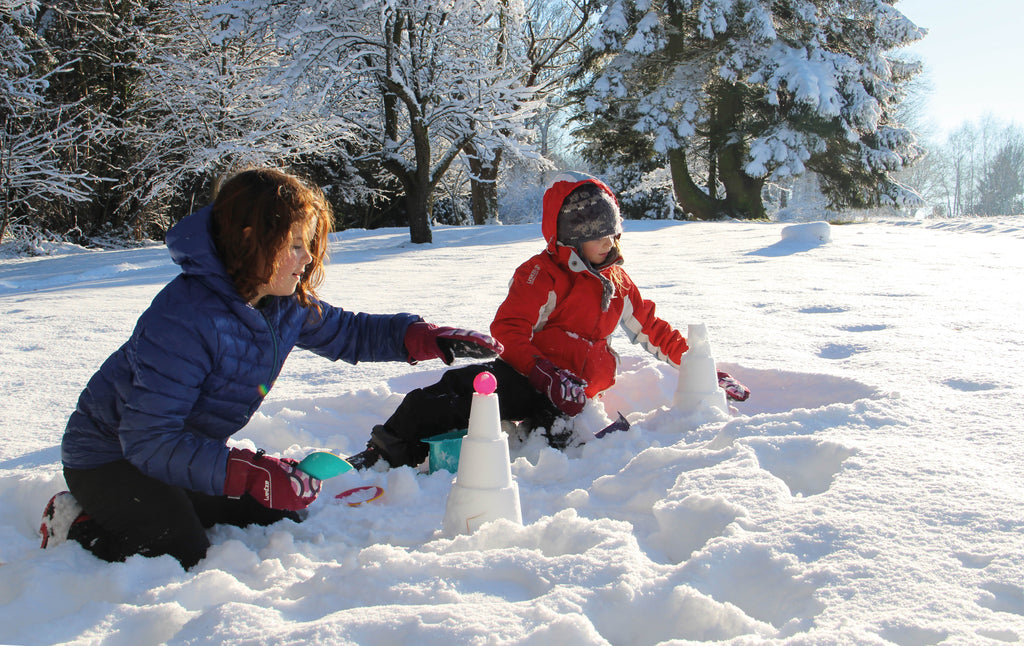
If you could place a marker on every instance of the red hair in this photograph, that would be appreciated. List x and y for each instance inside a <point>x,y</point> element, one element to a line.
<point>253,214</point>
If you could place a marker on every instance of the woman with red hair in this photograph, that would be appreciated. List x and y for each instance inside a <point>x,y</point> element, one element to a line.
<point>145,453</point>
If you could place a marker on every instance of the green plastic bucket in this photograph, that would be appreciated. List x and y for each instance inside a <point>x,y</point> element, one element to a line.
<point>444,451</point>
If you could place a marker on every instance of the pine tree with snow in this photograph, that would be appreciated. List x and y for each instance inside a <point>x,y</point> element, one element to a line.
<point>767,90</point>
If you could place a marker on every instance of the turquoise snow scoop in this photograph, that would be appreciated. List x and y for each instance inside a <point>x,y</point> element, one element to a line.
<point>324,464</point>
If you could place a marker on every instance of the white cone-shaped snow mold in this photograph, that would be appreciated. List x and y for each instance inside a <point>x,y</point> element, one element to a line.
<point>698,378</point>
<point>484,489</point>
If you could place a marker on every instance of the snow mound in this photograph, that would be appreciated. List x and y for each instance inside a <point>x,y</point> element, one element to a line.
<point>812,232</point>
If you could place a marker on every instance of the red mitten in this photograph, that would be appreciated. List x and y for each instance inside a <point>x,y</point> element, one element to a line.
<point>565,390</point>
<point>427,341</point>
<point>733,388</point>
<point>274,483</point>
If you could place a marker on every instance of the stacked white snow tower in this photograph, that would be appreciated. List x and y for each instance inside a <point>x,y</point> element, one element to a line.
<point>698,378</point>
<point>484,489</point>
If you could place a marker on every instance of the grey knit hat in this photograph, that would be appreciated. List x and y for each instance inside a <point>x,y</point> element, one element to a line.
<point>588,213</point>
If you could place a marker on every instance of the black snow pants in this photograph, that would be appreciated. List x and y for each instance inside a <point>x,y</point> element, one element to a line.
<point>132,513</point>
<point>445,406</point>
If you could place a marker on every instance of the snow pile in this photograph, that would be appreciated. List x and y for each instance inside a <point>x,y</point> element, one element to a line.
<point>868,492</point>
<point>810,232</point>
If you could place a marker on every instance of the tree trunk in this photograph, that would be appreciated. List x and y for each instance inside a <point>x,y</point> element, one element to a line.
<point>714,141</point>
<point>693,200</point>
<point>742,192</point>
<point>417,208</point>
<point>5,218</point>
<point>483,182</point>
<point>743,196</point>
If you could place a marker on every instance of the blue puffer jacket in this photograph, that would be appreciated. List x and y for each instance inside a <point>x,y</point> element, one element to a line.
<point>200,362</point>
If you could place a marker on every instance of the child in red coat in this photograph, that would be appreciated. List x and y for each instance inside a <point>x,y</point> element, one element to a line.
<point>562,306</point>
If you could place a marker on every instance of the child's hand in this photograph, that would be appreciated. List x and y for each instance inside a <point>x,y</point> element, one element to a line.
<point>565,390</point>
<point>732,387</point>
<point>427,341</point>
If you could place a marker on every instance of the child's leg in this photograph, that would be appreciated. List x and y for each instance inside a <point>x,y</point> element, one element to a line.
<point>445,406</point>
<point>132,513</point>
<point>426,412</point>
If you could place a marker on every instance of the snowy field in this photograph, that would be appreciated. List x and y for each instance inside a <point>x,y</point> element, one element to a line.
<point>871,491</point>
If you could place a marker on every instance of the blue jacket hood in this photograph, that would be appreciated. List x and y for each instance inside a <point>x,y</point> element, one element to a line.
<point>190,243</point>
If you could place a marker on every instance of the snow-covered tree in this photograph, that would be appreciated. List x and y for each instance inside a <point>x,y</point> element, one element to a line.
<point>1001,187</point>
<point>409,80</point>
<point>769,89</point>
<point>97,44</point>
<point>149,101</point>
<point>215,100</point>
<point>974,168</point>
<point>35,137</point>
<point>537,45</point>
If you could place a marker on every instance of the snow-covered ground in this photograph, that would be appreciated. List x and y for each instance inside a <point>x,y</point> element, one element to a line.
<point>871,491</point>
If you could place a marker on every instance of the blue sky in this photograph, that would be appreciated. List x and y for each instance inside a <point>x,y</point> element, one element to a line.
<point>973,56</point>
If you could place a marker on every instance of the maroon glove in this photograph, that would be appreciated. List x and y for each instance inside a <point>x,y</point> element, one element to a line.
<point>276,484</point>
<point>733,388</point>
<point>565,390</point>
<point>427,341</point>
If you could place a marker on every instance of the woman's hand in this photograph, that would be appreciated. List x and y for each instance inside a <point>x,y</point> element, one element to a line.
<point>427,341</point>
<point>274,483</point>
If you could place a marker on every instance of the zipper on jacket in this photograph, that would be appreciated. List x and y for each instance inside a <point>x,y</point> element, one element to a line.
<point>273,366</point>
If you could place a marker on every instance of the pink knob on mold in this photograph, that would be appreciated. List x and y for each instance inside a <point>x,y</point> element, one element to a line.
<point>485,383</point>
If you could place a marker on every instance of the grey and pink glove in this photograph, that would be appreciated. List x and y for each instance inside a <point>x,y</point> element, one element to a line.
<point>274,483</point>
<point>565,390</point>
<point>426,341</point>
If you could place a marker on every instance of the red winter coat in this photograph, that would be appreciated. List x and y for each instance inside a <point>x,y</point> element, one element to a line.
<point>553,310</point>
